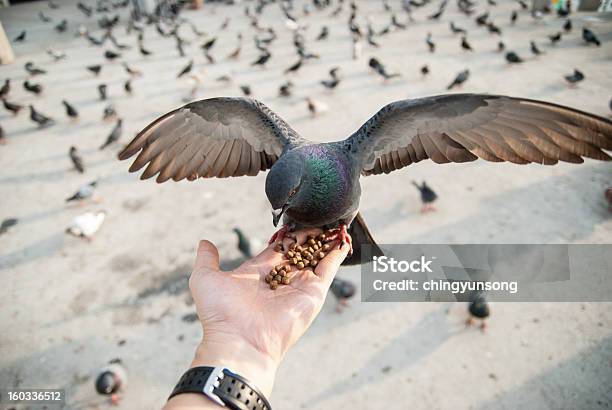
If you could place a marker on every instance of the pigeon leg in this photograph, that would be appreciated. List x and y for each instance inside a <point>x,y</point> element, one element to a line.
<point>279,235</point>
<point>343,235</point>
<point>483,326</point>
<point>469,321</point>
<point>341,305</point>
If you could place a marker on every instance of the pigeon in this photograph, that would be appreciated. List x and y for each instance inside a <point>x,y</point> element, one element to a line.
<point>334,81</point>
<point>62,26</point>
<point>6,88</point>
<point>42,120</point>
<point>114,135</point>
<point>323,34</point>
<point>589,37</point>
<point>501,46</point>
<point>246,90</point>
<point>555,38</point>
<point>567,26</point>
<point>315,107</point>
<point>244,245</point>
<point>109,113</point>
<point>87,11</point>
<point>295,67</point>
<point>32,69</point>
<point>20,38</point>
<point>523,4</point>
<point>465,45</point>
<point>102,91</point>
<point>317,185</point>
<point>76,159</point>
<point>430,43</point>
<point>285,89</point>
<point>127,86</point>
<point>236,53</point>
<point>534,48</point>
<point>186,70</point>
<point>132,71</point>
<point>513,16</point>
<point>87,224</point>
<point>478,309</point>
<point>33,88</point>
<point>461,78</point>
<point>575,77</point>
<point>493,29</point>
<point>95,69</point>
<point>343,290</point>
<point>144,51</point>
<point>44,18</point>
<point>377,66</point>
<point>70,110</point>
<point>482,19</point>
<point>395,23</point>
<point>428,197</point>
<point>111,55</point>
<point>262,60</point>
<point>455,29</point>
<point>425,70</point>
<point>2,136</point>
<point>55,54</point>
<point>513,58</point>
<point>12,107</point>
<point>7,224</point>
<point>84,192</point>
<point>208,45</point>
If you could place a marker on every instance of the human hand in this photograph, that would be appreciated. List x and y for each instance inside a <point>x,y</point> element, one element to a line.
<point>248,327</point>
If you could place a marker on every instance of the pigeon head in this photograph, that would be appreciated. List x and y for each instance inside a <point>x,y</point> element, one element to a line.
<point>283,184</point>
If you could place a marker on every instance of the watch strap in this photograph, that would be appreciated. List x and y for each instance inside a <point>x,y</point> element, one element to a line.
<point>223,386</point>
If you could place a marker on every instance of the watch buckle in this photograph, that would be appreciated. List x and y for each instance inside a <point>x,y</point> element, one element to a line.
<point>213,381</point>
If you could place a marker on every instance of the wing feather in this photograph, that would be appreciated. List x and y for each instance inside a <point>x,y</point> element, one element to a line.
<point>464,127</point>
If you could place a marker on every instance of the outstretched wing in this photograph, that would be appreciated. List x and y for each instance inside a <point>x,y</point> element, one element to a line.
<point>217,137</point>
<point>464,127</point>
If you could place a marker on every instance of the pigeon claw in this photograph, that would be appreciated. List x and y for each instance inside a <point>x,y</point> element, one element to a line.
<point>279,235</point>
<point>345,238</point>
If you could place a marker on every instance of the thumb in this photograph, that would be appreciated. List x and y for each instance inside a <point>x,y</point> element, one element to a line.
<point>207,256</point>
<point>329,265</point>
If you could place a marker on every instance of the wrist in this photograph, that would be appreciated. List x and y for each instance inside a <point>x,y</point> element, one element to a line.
<point>238,356</point>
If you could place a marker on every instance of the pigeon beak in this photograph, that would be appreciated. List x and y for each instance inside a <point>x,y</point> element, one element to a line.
<point>278,213</point>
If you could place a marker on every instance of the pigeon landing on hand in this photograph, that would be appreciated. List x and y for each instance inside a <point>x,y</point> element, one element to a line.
<point>317,185</point>
<point>428,197</point>
<point>343,290</point>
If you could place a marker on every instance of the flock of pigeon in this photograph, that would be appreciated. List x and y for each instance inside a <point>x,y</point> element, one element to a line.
<point>168,22</point>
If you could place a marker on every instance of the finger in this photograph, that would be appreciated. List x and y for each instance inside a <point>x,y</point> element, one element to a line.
<point>207,256</point>
<point>302,235</point>
<point>327,268</point>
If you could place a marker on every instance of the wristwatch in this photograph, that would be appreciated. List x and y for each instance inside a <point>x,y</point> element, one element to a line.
<point>223,386</point>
